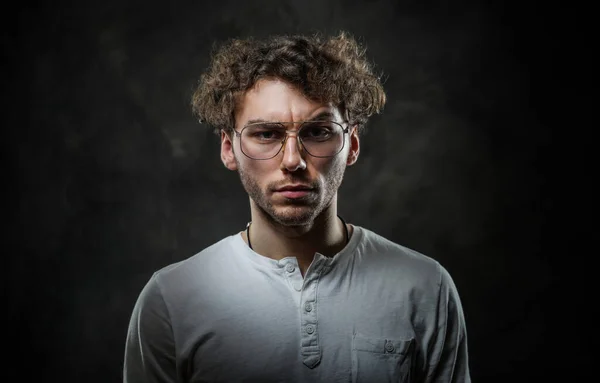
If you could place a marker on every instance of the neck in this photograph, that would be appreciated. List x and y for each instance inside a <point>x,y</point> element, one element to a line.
<point>326,234</point>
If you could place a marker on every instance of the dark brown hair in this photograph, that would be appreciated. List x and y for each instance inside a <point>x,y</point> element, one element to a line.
<point>326,70</point>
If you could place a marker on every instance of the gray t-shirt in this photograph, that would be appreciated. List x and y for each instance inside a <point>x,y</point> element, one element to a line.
<point>375,312</point>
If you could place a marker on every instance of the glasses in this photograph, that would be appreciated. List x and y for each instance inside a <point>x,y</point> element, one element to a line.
<point>264,140</point>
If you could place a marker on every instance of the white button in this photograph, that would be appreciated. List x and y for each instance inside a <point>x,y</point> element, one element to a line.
<point>310,329</point>
<point>298,286</point>
<point>389,346</point>
<point>308,307</point>
<point>289,268</point>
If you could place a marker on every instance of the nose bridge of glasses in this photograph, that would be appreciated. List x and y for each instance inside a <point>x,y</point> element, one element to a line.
<point>296,137</point>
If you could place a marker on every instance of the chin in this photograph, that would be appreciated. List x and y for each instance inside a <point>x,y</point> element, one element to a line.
<point>293,215</point>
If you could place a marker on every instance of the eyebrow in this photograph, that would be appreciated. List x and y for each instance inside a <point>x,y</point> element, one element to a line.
<point>319,117</point>
<point>323,116</point>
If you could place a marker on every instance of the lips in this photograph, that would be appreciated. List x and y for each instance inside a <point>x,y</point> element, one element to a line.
<point>294,188</point>
<point>294,191</point>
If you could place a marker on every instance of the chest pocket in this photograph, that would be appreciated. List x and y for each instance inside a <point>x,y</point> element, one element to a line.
<point>381,360</point>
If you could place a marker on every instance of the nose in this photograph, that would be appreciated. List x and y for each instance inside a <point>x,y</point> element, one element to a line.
<point>293,152</point>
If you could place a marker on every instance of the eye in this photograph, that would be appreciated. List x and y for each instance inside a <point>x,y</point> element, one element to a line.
<point>265,133</point>
<point>317,132</point>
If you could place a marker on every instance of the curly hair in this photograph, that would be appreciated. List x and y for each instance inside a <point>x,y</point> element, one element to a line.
<point>332,70</point>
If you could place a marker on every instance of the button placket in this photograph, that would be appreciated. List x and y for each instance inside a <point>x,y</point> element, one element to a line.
<point>289,270</point>
<point>311,350</point>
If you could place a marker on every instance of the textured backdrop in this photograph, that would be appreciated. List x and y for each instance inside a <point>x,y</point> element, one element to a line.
<point>115,178</point>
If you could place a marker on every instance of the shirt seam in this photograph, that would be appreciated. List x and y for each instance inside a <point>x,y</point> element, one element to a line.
<point>440,330</point>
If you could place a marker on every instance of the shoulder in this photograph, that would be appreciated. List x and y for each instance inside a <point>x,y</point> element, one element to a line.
<point>171,290</point>
<point>198,270</point>
<point>393,264</point>
<point>376,250</point>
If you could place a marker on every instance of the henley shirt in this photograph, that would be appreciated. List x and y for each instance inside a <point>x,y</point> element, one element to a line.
<point>375,312</point>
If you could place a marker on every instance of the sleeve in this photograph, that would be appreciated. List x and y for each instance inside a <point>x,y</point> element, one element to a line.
<point>449,360</point>
<point>149,346</point>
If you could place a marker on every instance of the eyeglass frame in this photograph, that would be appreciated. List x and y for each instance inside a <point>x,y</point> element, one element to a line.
<point>345,131</point>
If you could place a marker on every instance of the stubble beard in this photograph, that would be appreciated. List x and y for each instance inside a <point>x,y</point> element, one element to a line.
<point>294,213</point>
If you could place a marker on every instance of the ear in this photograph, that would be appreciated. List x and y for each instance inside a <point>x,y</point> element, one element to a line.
<point>354,146</point>
<point>227,154</point>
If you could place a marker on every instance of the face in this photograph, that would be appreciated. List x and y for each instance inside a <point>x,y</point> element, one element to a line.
<point>265,181</point>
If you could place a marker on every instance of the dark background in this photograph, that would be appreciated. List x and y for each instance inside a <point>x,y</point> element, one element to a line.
<point>477,161</point>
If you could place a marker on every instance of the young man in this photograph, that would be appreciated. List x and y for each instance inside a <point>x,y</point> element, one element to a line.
<point>299,295</point>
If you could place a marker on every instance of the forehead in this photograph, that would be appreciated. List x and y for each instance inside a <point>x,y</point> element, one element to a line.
<point>277,100</point>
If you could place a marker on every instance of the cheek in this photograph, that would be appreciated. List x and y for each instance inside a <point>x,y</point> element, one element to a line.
<point>326,166</point>
<point>259,171</point>
<point>328,171</point>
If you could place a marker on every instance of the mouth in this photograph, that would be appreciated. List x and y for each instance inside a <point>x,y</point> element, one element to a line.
<point>294,191</point>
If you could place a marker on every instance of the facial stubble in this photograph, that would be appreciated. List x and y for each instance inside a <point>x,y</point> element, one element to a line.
<point>295,212</point>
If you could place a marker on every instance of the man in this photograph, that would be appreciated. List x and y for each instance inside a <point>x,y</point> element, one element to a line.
<point>298,295</point>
